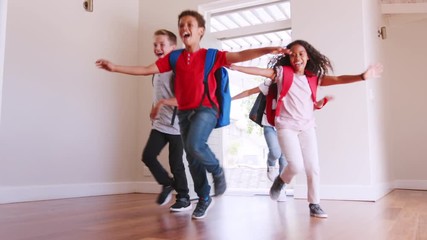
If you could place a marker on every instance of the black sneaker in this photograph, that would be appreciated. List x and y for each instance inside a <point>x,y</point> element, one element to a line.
<point>317,211</point>
<point>165,196</point>
<point>220,184</point>
<point>181,204</point>
<point>276,188</point>
<point>202,208</point>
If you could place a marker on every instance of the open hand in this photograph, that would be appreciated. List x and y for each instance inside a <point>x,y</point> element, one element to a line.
<point>373,71</point>
<point>155,110</point>
<point>105,64</point>
<point>281,50</point>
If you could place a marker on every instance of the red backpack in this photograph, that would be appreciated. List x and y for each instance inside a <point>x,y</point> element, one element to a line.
<point>273,105</point>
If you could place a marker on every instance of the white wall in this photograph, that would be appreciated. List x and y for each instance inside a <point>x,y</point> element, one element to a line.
<point>405,96</point>
<point>3,14</point>
<point>67,128</point>
<point>380,166</point>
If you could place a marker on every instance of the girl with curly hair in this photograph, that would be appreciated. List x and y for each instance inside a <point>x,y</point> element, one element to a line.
<point>297,76</point>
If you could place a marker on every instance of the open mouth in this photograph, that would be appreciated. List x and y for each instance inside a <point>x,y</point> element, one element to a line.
<point>159,54</point>
<point>186,35</point>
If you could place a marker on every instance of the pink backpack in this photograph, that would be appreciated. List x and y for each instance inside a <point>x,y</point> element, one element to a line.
<point>273,104</point>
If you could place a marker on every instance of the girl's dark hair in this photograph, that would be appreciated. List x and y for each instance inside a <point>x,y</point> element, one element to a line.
<point>318,64</point>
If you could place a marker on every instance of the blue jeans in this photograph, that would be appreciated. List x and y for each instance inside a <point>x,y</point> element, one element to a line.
<point>196,125</point>
<point>274,152</point>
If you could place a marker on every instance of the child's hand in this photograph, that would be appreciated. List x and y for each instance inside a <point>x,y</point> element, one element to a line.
<point>105,64</point>
<point>153,113</point>
<point>328,98</point>
<point>233,67</point>
<point>321,103</point>
<point>373,71</point>
<point>155,109</point>
<point>282,50</point>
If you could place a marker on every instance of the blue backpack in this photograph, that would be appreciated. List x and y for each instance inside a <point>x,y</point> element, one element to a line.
<point>222,85</point>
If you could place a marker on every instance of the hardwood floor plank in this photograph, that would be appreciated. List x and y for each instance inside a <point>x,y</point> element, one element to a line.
<point>400,215</point>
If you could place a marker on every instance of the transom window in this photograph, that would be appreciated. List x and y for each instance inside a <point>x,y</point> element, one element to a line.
<point>253,26</point>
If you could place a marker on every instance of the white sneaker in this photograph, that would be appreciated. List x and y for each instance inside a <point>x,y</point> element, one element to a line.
<point>282,196</point>
<point>272,172</point>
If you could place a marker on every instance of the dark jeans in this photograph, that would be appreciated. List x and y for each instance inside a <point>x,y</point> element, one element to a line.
<point>155,143</point>
<point>196,126</point>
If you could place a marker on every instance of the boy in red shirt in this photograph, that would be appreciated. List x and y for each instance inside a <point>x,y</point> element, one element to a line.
<point>196,122</point>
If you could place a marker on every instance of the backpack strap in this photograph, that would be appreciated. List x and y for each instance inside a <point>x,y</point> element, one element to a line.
<point>209,63</point>
<point>288,77</point>
<point>210,60</point>
<point>173,58</point>
<point>175,110</point>
<point>313,83</point>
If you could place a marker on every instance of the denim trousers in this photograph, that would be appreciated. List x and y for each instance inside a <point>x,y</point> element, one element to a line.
<point>196,125</point>
<point>274,151</point>
<point>155,143</point>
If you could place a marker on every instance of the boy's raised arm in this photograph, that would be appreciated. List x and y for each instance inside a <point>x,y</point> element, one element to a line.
<point>245,55</point>
<point>131,70</point>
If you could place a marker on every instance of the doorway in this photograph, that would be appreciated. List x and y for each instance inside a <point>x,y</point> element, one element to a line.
<point>243,149</point>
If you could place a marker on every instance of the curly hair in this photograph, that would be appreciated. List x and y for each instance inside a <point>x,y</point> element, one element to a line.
<point>318,64</point>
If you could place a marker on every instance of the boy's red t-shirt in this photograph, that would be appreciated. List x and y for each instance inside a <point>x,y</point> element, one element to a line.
<point>189,69</point>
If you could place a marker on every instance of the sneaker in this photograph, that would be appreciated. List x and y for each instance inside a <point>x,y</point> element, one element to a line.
<point>272,172</point>
<point>165,196</point>
<point>220,184</point>
<point>202,208</point>
<point>181,204</point>
<point>276,188</point>
<point>316,211</point>
<point>282,196</point>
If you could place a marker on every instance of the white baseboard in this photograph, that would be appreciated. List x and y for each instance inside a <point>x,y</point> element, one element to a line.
<point>254,191</point>
<point>154,187</point>
<point>49,192</point>
<point>334,192</point>
<point>346,192</point>
<point>411,184</point>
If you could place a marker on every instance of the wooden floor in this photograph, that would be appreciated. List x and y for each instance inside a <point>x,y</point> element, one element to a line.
<point>401,214</point>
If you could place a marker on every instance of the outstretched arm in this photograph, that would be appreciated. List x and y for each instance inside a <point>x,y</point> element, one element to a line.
<point>245,55</point>
<point>265,72</point>
<point>131,70</point>
<point>246,93</point>
<point>373,71</point>
<point>164,101</point>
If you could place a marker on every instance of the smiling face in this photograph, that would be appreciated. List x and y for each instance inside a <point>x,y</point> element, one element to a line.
<point>190,32</point>
<point>162,45</point>
<point>298,58</point>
